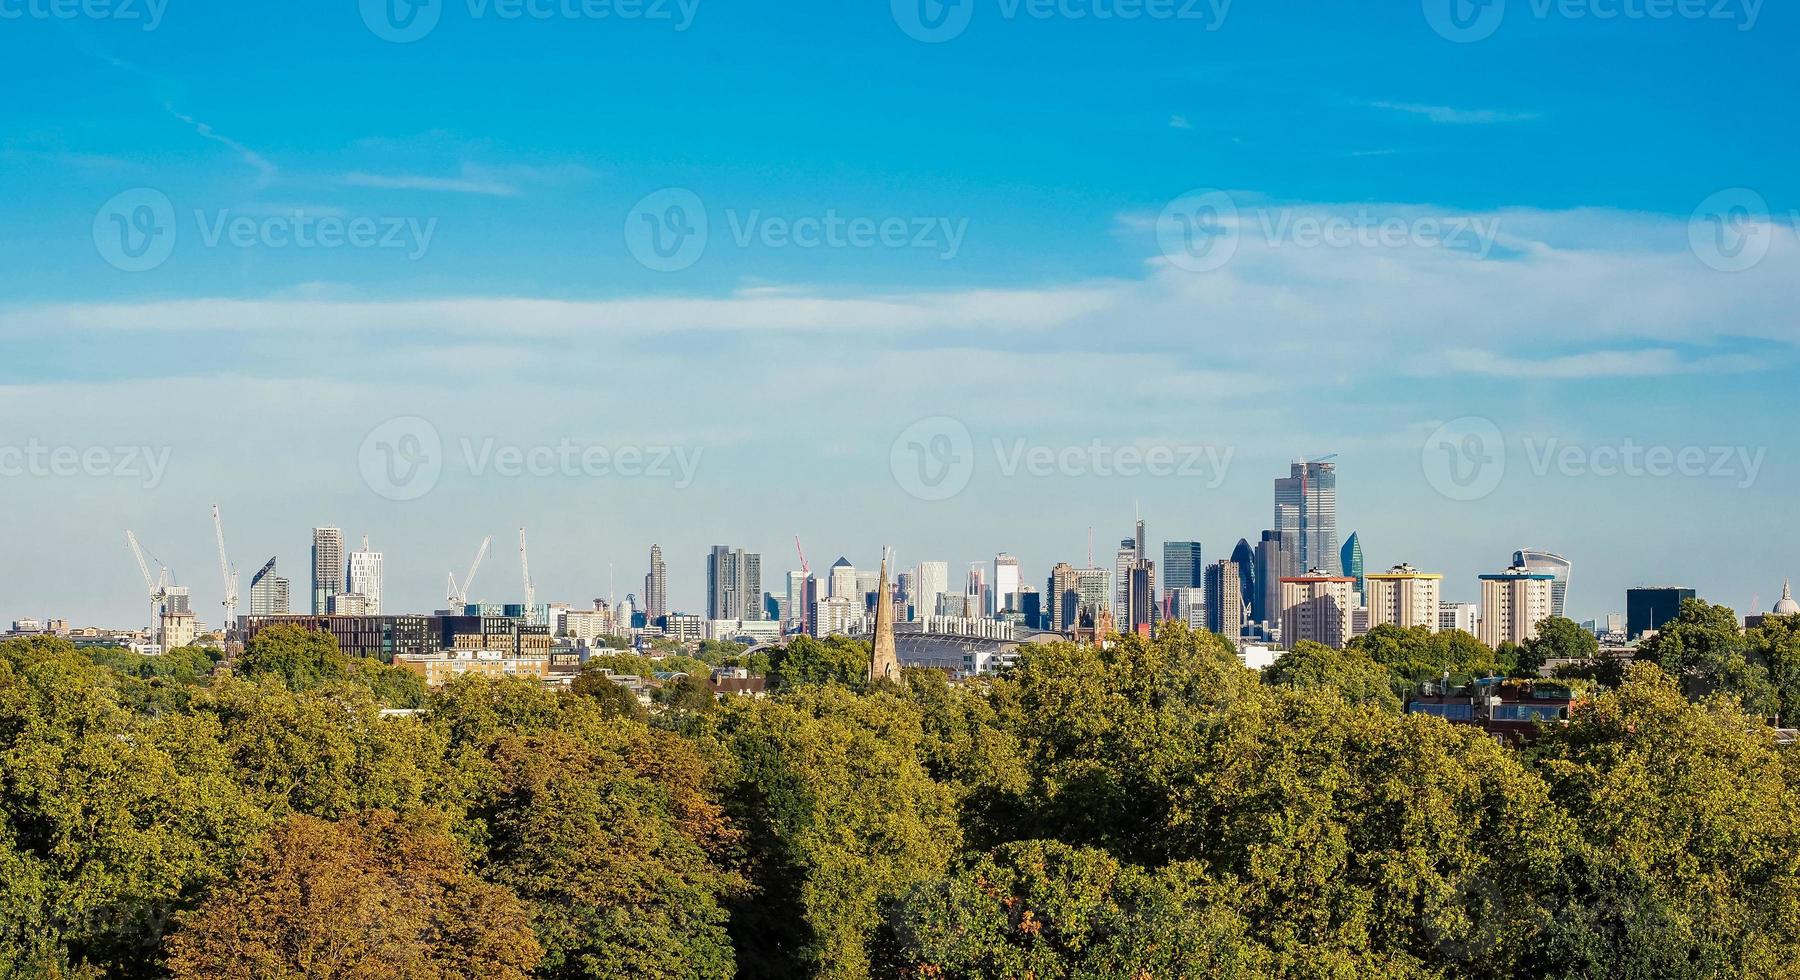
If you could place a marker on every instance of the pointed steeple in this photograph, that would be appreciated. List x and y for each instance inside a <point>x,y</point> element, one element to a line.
<point>1787,606</point>
<point>884,662</point>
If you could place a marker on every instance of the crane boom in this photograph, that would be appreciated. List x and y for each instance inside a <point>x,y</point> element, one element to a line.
<point>459,595</point>
<point>227,572</point>
<point>525,571</point>
<point>805,577</point>
<point>143,567</point>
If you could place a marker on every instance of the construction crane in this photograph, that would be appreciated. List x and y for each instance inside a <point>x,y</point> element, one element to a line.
<point>158,588</point>
<point>229,574</point>
<point>458,596</point>
<point>525,572</point>
<point>805,580</point>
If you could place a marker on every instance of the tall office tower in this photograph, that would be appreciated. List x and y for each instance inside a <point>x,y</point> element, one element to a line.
<point>1404,596</point>
<point>1351,561</point>
<point>1547,561</point>
<point>1464,616</point>
<point>1244,557</point>
<point>1649,608</point>
<point>1006,583</point>
<point>955,605</point>
<point>1122,562</point>
<point>865,587</point>
<point>1065,596</point>
<point>1140,597</point>
<point>1277,557</point>
<point>1316,607</point>
<point>1095,593</point>
<point>1181,566</point>
<point>1032,608</point>
<point>1141,541</point>
<point>327,567</point>
<point>1513,603</point>
<point>1188,606</point>
<point>268,592</point>
<point>365,578</point>
<point>797,599</point>
<point>1225,599</point>
<point>842,584</point>
<point>656,586</point>
<point>932,580</point>
<point>750,585</point>
<point>903,592</point>
<point>981,602</point>
<point>733,584</point>
<point>1306,504</point>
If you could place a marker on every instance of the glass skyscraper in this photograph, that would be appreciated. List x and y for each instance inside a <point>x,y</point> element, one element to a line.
<point>1555,564</point>
<point>1306,506</point>
<point>1182,568</point>
<point>1352,560</point>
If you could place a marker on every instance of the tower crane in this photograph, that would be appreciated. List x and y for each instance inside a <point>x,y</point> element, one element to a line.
<point>229,574</point>
<point>525,571</point>
<point>158,588</point>
<point>805,581</point>
<point>458,596</point>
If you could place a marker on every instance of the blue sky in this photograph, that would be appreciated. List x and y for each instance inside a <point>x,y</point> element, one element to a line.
<point>1035,158</point>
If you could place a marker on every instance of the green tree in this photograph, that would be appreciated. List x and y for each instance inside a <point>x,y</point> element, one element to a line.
<point>300,657</point>
<point>833,660</point>
<point>1774,645</point>
<point>372,896</point>
<point>1706,651</point>
<point>1358,679</point>
<point>614,698</point>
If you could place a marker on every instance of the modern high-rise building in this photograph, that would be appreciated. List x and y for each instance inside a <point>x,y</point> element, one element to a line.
<point>1225,612</point>
<point>656,586</point>
<point>842,584</point>
<point>1316,607</point>
<point>1006,583</point>
<point>1123,559</point>
<point>1065,596</point>
<point>327,568</point>
<point>1538,560</point>
<point>734,584</point>
<point>1513,603</point>
<point>1649,608</point>
<point>268,592</point>
<point>981,600</point>
<point>1306,505</point>
<point>1404,596</point>
<point>1182,567</point>
<point>1463,616</point>
<point>932,580</point>
<point>1094,589</point>
<point>1244,557</point>
<point>1189,606</point>
<point>1351,562</point>
<point>365,578</point>
<point>1140,597</point>
<point>1277,557</point>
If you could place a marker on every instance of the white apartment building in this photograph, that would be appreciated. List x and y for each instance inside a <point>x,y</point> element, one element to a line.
<point>1513,603</point>
<point>1404,596</point>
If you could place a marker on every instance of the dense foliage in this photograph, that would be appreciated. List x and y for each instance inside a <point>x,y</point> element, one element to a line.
<point>1148,811</point>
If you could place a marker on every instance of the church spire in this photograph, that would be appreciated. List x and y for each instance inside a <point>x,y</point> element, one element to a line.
<point>884,661</point>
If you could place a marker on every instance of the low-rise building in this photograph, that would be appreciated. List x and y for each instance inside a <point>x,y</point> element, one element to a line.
<point>446,665</point>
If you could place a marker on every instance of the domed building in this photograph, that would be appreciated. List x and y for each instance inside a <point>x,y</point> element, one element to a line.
<point>1786,606</point>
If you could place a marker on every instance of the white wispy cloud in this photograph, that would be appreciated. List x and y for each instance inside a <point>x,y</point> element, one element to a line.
<point>419,182</point>
<point>1179,121</point>
<point>266,171</point>
<point>1595,364</point>
<point>1452,115</point>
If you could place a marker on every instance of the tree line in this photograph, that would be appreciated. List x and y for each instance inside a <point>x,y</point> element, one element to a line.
<point>1145,811</point>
